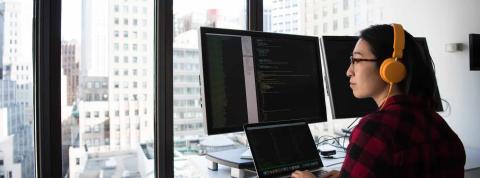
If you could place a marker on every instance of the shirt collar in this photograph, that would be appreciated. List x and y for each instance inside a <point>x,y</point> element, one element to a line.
<point>405,100</point>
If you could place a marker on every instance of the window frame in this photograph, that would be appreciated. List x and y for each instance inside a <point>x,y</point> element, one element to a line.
<point>47,83</point>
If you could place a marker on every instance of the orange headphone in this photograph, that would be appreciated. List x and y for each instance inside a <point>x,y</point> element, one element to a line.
<point>392,70</point>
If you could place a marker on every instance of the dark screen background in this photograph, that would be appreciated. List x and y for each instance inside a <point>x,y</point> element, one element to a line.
<point>282,146</point>
<point>288,77</point>
<point>338,49</point>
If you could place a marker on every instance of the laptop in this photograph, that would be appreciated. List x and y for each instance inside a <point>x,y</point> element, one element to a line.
<point>279,148</point>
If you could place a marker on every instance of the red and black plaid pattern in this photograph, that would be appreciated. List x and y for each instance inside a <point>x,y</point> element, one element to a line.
<point>405,139</point>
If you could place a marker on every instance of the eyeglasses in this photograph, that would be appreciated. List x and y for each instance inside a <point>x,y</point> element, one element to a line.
<point>354,60</point>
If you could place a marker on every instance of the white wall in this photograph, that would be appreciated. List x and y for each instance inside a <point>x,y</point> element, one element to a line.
<point>441,22</point>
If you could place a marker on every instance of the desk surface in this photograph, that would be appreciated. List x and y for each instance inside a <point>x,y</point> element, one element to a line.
<point>200,164</point>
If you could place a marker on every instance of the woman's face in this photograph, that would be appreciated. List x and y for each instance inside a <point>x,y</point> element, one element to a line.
<point>365,79</point>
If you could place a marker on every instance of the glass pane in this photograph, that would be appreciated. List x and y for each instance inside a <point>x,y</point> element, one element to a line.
<point>107,88</point>
<point>321,17</point>
<point>188,118</point>
<point>16,89</point>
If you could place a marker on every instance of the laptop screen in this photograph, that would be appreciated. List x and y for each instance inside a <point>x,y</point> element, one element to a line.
<point>279,148</point>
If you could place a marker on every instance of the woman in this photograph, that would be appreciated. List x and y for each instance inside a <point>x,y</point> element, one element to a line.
<point>405,137</point>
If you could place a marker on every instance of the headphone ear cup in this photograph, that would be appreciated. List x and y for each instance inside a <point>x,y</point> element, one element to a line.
<point>392,71</point>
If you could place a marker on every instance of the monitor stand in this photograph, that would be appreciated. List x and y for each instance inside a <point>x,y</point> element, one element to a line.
<point>231,158</point>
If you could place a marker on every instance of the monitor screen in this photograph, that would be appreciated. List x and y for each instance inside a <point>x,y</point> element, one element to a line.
<point>251,77</point>
<point>335,53</point>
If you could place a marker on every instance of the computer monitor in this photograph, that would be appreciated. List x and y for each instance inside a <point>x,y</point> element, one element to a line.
<point>251,77</point>
<point>474,50</point>
<point>335,53</point>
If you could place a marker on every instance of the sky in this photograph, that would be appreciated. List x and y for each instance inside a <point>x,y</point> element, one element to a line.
<point>71,19</point>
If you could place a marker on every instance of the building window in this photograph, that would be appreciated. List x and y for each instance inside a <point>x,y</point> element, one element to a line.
<point>335,25</point>
<point>335,8</point>
<point>346,22</point>
<point>345,4</point>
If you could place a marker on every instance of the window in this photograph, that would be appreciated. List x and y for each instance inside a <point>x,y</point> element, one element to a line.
<point>335,25</point>
<point>185,56</point>
<point>325,28</point>
<point>108,32</point>
<point>345,4</point>
<point>334,8</point>
<point>346,22</point>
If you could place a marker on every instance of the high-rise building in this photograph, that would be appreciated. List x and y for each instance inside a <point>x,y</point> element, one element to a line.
<point>16,85</point>
<point>187,113</point>
<point>2,23</point>
<point>286,16</point>
<point>345,17</point>
<point>69,56</point>
<point>116,75</point>
<point>94,121</point>
<point>188,121</point>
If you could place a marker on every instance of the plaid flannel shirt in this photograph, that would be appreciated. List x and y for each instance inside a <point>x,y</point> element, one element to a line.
<point>404,139</point>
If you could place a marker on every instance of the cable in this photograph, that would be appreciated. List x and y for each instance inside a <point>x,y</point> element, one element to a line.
<point>335,141</point>
<point>353,122</point>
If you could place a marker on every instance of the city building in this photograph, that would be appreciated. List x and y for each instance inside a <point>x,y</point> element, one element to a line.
<point>116,75</point>
<point>70,54</point>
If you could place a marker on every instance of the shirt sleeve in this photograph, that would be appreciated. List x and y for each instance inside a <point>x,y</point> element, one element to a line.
<point>367,155</point>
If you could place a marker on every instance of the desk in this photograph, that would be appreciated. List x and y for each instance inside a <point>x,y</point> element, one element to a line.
<point>472,164</point>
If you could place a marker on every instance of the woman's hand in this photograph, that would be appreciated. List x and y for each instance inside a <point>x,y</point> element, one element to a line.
<point>332,174</point>
<point>302,174</point>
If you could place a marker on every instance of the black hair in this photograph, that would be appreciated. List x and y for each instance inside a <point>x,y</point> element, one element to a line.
<point>420,80</point>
